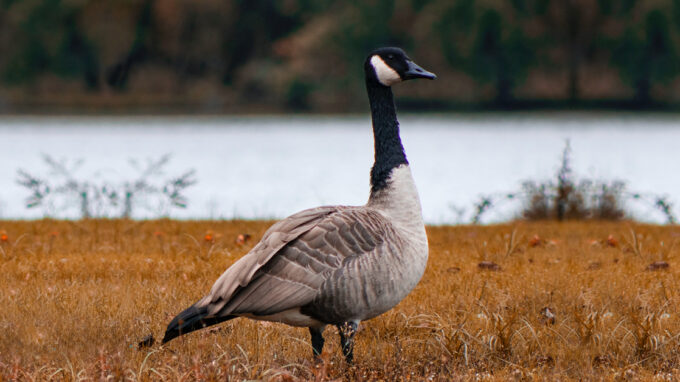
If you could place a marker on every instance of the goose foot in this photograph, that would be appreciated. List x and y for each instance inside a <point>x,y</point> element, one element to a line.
<point>347,332</point>
<point>317,341</point>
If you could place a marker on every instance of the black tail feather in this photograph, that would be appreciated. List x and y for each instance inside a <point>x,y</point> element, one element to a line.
<point>191,319</point>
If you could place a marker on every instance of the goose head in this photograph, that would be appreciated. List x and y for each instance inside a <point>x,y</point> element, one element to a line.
<point>388,66</point>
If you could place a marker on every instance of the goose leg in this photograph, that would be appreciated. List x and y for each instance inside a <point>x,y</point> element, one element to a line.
<point>317,340</point>
<point>347,332</point>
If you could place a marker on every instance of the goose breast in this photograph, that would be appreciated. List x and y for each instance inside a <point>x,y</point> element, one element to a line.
<point>372,282</point>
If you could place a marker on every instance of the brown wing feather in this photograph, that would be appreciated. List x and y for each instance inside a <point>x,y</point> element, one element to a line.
<point>277,236</point>
<point>291,274</point>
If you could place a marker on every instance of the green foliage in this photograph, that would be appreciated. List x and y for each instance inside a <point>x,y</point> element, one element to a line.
<point>259,24</point>
<point>488,43</point>
<point>367,25</point>
<point>647,54</point>
<point>50,41</point>
<point>297,95</point>
<point>501,54</point>
<point>75,56</point>
<point>495,46</point>
<point>454,26</point>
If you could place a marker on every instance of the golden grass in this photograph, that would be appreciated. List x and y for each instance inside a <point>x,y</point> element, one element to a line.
<point>76,297</point>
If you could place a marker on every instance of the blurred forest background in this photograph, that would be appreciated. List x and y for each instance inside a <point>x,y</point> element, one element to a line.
<point>273,55</point>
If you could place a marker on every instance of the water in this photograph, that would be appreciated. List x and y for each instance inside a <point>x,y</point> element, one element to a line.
<point>270,167</point>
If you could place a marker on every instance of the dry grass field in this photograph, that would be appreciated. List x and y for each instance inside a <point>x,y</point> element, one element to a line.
<point>520,301</point>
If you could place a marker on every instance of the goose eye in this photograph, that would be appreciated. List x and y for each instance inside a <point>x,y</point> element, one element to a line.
<point>390,56</point>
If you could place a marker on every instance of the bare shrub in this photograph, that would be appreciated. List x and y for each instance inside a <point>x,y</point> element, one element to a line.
<point>567,198</point>
<point>64,189</point>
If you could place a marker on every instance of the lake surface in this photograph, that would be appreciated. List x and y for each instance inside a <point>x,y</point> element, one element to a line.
<point>270,167</point>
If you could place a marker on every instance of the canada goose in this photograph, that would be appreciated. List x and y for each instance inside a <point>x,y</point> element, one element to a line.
<point>335,265</point>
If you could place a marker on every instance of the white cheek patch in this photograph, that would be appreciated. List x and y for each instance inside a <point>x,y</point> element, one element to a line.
<point>386,75</point>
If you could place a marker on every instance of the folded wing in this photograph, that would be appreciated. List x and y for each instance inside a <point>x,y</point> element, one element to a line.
<point>286,270</point>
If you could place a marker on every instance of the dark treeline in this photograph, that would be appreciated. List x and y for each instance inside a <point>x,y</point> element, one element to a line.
<point>252,55</point>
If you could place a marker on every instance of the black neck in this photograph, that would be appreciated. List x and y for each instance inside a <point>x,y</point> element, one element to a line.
<point>389,153</point>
